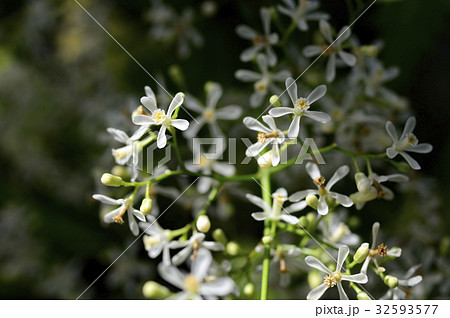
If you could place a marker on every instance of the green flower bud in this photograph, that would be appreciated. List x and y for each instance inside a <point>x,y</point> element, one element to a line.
<point>369,50</point>
<point>233,248</point>
<point>146,206</point>
<point>391,281</point>
<point>111,180</point>
<point>303,220</point>
<point>203,224</point>
<point>312,201</point>
<point>362,296</point>
<point>219,236</point>
<point>249,290</point>
<point>176,74</point>
<point>362,253</point>
<point>275,101</point>
<point>311,217</point>
<point>120,171</point>
<point>153,290</point>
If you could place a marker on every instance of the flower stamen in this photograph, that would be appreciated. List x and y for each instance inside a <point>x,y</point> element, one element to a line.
<point>118,218</point>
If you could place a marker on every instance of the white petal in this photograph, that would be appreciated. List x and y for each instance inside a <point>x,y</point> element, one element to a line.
<point>246,32</point>
<point>201,263</point>
<point>229,112</point>
<point>343,35</point>
<point>107,200</point>
<point>224,169</point>
<point>413,281</point>
<point>108,217</point>
<point>180,124</point>
<point>342,294</point>
<point>348,58</point>
<point>260,216</point>
<point>291,87</point>
<point>247,76</point>
<point>317,292</point>
<point>338,175</point>
<point>342,256</point>
<point>317,93</point>
<point>213,246</point>
<point>182,255</point>
<point>250,53</point>
<point>138,214</point>
<point>391,152</point>
<point>255,125</point>
<point>261,59</point>
<point>300,195</point>
<point>412,162</point>
<point>149,92</point>
<point>265,17</point>
<point>325,30</point>
<point>395,252</point>
<point>360,278</point>
<point>322,207</point>
<point>193,104</point>
<point>214,93</point>
<point>312,50</point>
<point>258,202</point>
<point>204,184</point>
<point>296,207</point>
<point>275,155</point>
<point>118,135</point>
<point>139,133</point>
<point>280,111</point>
<point>172,275</point>
<point>289,219</point>
<point>175,103</point>
<point>149,102</point>
<point>330,72</point>
<point>342,199</point>
<point>314,262</point>
<point>143,120</point>
<point>375,228</point>
<point>270,122</point>
<point>132,222</point>
<point>390,128</point>
<point>161,141</point>
<point>221,286</point>
<point>321,117</point>
<point>420,148</point>
<point>409,127</point>
<point>294,127</point>
<point>194,127</point>
<point>255,149</point>
<point>313,170</point>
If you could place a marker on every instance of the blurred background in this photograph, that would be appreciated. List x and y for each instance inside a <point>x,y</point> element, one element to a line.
<point>63,80</point>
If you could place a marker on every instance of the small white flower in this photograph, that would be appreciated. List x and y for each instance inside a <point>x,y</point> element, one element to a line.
<point>336,232</point>
<point>267,135</point>
<point>276,212</point>
<point>333,278</point>
<point>404,284</point>
<point>192,246</point>
<point>260,41</point>
<point>333,50</point>
<point>196,284</point>
<point>156,239</point>
<point>159,117</point>
<point>378,75</point>
<point>407,142</point>
<point>302,12</point>
<point>382,250</point>
<point>301,107</point>
<point>322,190</point>
<point>209,113</point>
<point>263,82</point>
<point>126,205</point>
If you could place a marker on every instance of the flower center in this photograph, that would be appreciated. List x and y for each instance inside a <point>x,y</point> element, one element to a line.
<point>209,115</point>
<point>260,39</point>
<point>260,86</point>
<point>118,218</point>
<point>262,137</point>
<point>191,284</point>
<point>331,280</point>
<point>150,241</point>
<point>283,267</point>
<point>320,182</point>
<point>382,250</point>
<point>328,50</point>
<point>159,116</point>
<point>301,105</point>
<point>203,162</point>
<point>409,141</point>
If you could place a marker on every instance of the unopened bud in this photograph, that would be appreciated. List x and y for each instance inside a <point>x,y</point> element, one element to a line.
<point>312,201</point>
<point>391,281</point>
<point>267,239</point>
<point>176,75</point>
<point>303,220</point>
<point>120,171</point>
<point>311,217</point>
<point>203,224</point>
<point>111,180</point>
<point>369,50</point>
<point>275,101</point>
<point>233,248</point>
<point>146,206</point>
<point>362,182</point>
<point>362,296</point>
<point>153,290</point>
<point>249,290</point>
<point>362,253</point>
<point>219,236</point>
<point>265,161</point>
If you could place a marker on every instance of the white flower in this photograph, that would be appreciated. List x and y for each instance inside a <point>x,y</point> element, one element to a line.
<point>263,82</point>
<point>301,107</point>
<point>159,117</point>
<point>196,284</point>
<point>302,12</point>
<point>333,278</point>
<point>336,232</point>
<point>322,190</point>
<point>260,41</point>
<point>400,292</point>
<point>209,113</point>
<point>267,135</point>
<point>276,212</point>
<point>313,50</point>
<point>407,142</point>
<point>130,150</point>
<point>382,250</point>
<point>193,245</point>
<point>156,239</point>
<point>377,76</point>
<point>126,205</point>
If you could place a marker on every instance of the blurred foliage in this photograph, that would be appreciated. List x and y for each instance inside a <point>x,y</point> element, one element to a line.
<point>63,80</point>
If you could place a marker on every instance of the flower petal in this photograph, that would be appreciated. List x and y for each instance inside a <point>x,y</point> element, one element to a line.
<point>342,199</point>
<point>275,154</point>
<point>294,127</point>
<point>182,255</point>
<point>412,162</point>
<point>375,228</point>
<point>260,216</point>
<point>325,30</point>
<point>175,103</point>
<point>338,175</point>
<point>409,127</point>
<point>359,278</point>
<point>246,32</point>
<point>313,170</point>
<point>255,149</point>
<point>321,117</point>
<point>229,112</point>
<point>247,76</point>
<point>118,135</point>
<point>317,292</point>
<point>420,148</point>
<point>300,195</point>
<point>312,50</point>
<point>291,87</point>
<point>289,219</point>
<point>258,202</point>
<point>143,120</point>
<point>391,152</point>
<point>280,111</point>
<point>254,124</point>
<point>214,93</point>
<point>193,129</point>
<point>180,124</point>
<point>342,256</point>
<point>161,141</point>
<point>201,263</point>
<point>330,72</point>
<point>296,207</point>
<point>149,102</point>
<point>172,275</point>
<point>395,252</point>
<point>107,200</point>
<point>221,286</point>
<point>314,262</point>
<point>317,93</point>
<point>250,53</point>
<point>342,294</point>
<point>224,169</point>
<point>390,128</point>
<point>322,207</point>
<point>348,58</point>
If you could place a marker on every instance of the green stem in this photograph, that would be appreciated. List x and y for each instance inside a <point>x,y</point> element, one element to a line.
<point>266,195</point>
<point>181,231</point>
<point>211,197</point>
